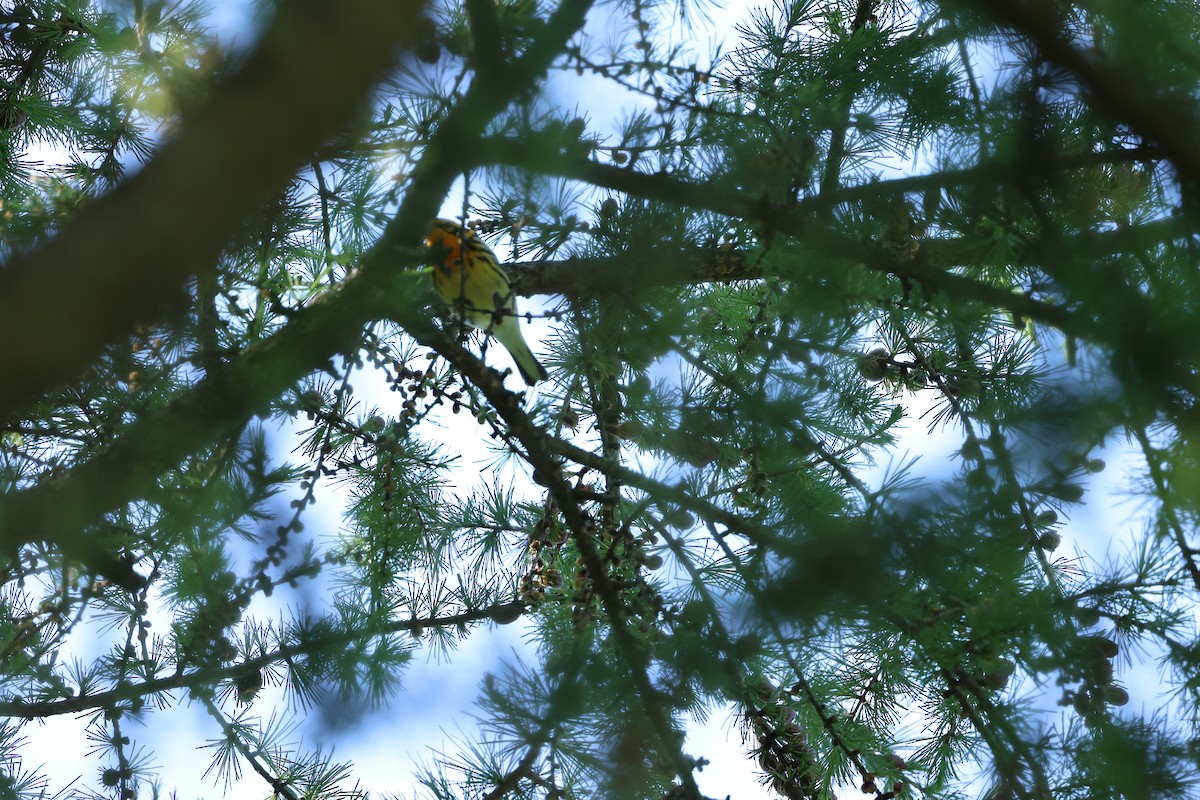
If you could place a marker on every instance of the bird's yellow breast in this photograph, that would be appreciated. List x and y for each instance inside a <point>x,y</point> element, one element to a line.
<point>468,276</point>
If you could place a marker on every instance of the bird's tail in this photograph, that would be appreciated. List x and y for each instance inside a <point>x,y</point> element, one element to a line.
<point>529,367</point>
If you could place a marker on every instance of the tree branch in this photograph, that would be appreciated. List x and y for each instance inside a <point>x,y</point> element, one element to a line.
<point>1120,90</point>
<point>208,677</point>
<point>485,35</point>
<point>795,221</point>
<point>125,258</point>
<point>540,453</point>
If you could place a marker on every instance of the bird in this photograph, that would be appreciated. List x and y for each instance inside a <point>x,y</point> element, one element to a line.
<point>471,280</point>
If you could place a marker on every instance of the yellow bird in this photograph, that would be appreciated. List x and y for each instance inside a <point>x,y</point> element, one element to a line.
<point>471,280</point>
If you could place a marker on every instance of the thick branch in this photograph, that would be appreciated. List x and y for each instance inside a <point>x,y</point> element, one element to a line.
<point>1119,90</point>
<point>126,258</point>
<point>485,35</point>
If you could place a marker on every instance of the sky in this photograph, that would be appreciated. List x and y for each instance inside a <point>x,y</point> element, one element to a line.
<point>387,745</point>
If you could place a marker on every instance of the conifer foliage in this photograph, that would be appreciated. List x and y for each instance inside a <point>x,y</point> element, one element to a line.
<point>754,268</point>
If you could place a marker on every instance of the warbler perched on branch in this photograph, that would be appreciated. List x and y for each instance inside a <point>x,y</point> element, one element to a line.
<point>471,280</point>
